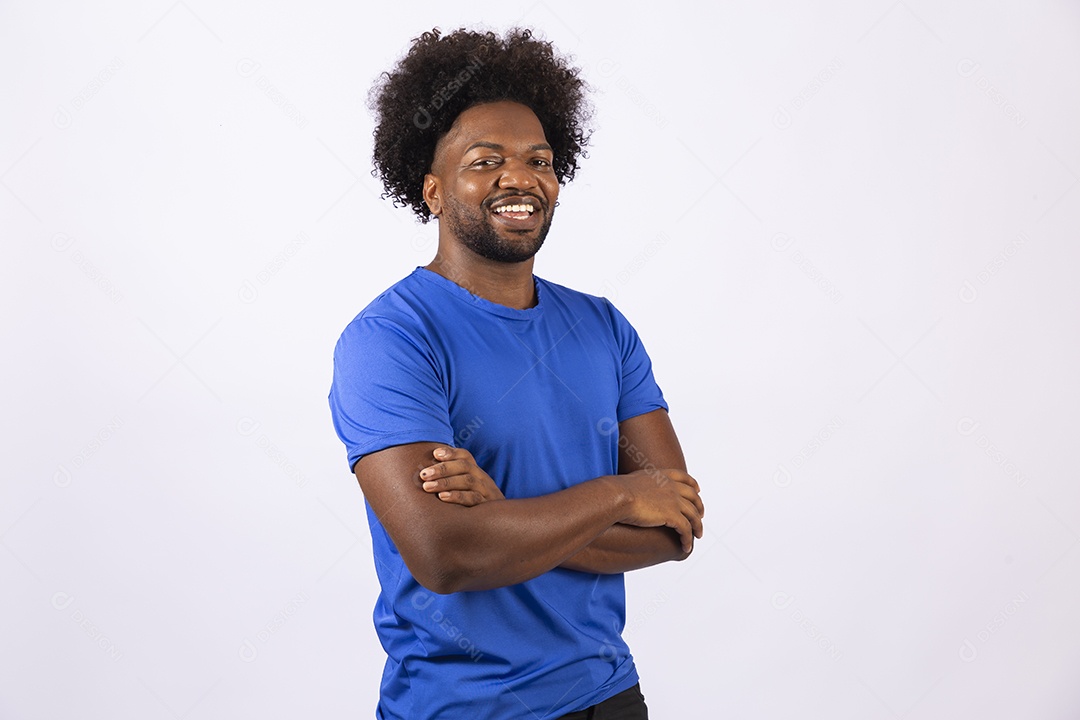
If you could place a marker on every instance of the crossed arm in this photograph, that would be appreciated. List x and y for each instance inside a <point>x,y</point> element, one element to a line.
<point>455,532</point>
<point>646,442</point>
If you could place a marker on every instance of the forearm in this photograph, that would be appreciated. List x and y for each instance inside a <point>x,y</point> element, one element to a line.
<point>506,542</point>
<point>622,548</point>
<point>646,442</point>
<point>451,545</point>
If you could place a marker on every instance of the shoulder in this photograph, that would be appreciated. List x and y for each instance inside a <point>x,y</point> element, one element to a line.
<point>575,299</point>
<point>584,303</point>
<point>397,314</point>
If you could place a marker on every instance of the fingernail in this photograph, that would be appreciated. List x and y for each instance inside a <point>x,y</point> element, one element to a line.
<point>431,485</point>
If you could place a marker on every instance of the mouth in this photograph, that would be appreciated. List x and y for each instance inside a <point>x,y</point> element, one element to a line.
<point>518,213</point>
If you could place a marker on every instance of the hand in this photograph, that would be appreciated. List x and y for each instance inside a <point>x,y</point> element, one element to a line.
<point>668,498</point>
<point>457,478</point>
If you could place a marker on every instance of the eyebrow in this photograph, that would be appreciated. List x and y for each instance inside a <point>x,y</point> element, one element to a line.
<point>496,146</point>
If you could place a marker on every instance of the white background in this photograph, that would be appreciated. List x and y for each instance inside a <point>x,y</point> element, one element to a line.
<point>846,232</point>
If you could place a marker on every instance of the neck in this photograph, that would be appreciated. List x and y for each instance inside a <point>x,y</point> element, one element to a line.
<point>509,284</point>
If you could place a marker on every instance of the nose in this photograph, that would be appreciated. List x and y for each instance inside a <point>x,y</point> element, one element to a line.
<point>517,174</point>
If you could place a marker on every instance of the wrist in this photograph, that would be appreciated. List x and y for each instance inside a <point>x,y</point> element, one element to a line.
<point>622,497</point>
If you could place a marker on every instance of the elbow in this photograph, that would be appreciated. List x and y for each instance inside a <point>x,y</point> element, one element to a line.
<point>435,585</point>
<point>447,578</point>
<point>448,560</point>
<point>441,573</point>
<point>438,582</point>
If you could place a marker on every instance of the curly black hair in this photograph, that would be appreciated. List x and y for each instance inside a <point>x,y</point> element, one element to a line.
<point>417,102</point>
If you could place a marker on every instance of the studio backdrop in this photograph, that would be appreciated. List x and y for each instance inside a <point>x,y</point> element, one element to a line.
<point>846,233</point>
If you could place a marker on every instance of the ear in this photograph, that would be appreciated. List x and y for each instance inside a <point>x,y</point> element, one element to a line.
<point>433,194</point>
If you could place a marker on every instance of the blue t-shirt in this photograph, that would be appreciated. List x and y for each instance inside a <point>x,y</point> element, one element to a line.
<point>536,396</point>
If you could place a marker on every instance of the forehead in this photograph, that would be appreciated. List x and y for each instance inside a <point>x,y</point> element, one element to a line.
<point>505,123</point>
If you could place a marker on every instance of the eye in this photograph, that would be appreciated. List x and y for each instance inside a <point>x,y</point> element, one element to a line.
<point>485,162</point>
<point>541,162</point>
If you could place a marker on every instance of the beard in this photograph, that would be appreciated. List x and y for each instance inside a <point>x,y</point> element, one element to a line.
<point>477,232</point>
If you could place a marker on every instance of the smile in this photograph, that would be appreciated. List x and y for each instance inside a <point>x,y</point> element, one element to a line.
<point>518,212</point>
<point>521,213</point>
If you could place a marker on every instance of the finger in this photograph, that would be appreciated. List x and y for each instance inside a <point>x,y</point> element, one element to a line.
<point>694,484</point>
<point>696,525</point>
<point>445,469</point>
<point>451,482</point>
<point>429,472</point>
<point>688,480</point>
<point>445,452</point>
<point>693,497</point>
<point>699,505</point>
<point>686,534</point>
<point>693,517</point>
<point>481,484</point>
<point>463,483</point>
<point>461,497</point>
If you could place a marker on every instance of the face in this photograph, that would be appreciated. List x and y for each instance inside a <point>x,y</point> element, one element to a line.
<point>491,183</point>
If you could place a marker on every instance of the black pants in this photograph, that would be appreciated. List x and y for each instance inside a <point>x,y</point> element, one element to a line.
<point>627,705</point>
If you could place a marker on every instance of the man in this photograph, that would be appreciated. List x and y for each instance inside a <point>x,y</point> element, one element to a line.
<point>513,448</point>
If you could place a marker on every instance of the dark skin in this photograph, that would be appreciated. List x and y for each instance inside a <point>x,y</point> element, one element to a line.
<point>454,529</point>
<point>493,152</point>
<point>648,441</point>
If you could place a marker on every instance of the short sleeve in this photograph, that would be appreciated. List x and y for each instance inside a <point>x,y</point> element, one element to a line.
<point>639,392</point>
<point>386,389</point>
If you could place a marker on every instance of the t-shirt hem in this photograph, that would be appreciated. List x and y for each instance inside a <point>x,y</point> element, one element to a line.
<point>392,440</point>
<point>614,689</point>
<point>641,410</point>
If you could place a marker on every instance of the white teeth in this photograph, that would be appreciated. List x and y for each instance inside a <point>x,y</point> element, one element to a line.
<point>514,208</point>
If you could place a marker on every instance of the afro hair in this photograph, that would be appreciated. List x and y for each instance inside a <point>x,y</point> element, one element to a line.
<point>441,76</point>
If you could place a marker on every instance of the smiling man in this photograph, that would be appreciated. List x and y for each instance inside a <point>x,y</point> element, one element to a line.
<point>513,448</point>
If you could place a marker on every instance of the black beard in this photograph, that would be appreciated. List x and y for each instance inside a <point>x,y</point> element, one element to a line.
<point>477,233</point>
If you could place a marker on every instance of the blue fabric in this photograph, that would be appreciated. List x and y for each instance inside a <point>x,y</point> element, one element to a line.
<point>536,396</point>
